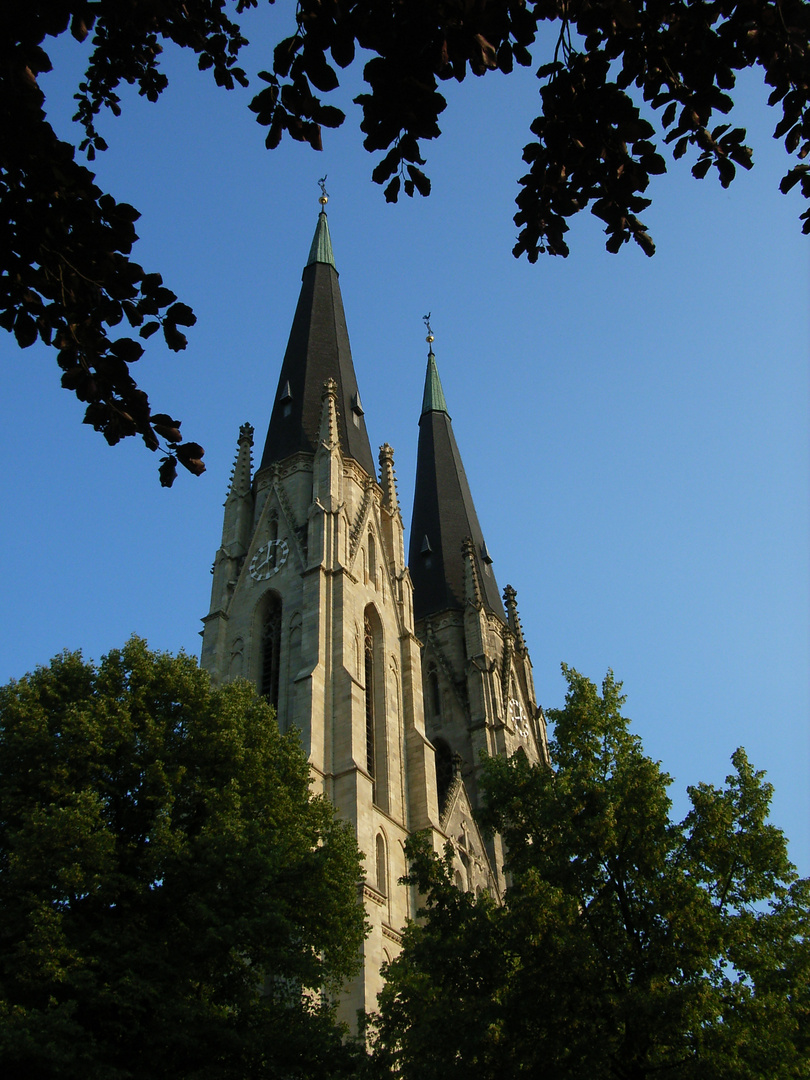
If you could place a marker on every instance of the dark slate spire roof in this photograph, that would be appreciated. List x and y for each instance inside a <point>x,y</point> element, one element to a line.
<point>318,349</point>
<point>443,515</point>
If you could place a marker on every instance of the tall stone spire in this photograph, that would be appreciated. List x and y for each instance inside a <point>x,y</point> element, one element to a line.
<point>318,349</point>
<point>444,516</point>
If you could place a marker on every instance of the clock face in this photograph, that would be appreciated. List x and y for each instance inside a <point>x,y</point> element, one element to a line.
<point>269,559</point>
<point>519,718</point>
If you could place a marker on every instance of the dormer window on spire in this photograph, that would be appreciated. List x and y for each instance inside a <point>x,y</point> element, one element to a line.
<point>357,409</point>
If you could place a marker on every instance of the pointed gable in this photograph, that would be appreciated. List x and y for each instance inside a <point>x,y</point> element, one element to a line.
<point>444,516</point>
<point>318,349</point>
<point>473,866</point>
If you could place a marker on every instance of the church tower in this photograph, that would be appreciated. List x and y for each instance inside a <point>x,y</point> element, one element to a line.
<point>477,676</point>
<point>312,600</point>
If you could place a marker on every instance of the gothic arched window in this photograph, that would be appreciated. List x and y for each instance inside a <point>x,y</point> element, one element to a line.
<point>271,650</point>
<point>292,663</point>
<point>444,771</point>
<point>374,674</point>
<point>382,865</point>
<point>370,704</point>
<point>433,693</point>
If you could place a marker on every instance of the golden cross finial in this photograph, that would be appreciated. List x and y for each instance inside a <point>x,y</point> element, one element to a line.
<point>324,199</point>
<point>426,320</point>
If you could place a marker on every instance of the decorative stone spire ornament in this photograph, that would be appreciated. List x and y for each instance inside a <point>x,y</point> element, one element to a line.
<point>512,617</point>
<point>388,479</point>
<point>236,528</point>
<point>243,466</point>
<point>328,433</point>
<point>472,583</point>
<point>239,502</point>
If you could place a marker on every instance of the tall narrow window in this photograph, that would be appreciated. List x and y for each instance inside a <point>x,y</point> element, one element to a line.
<point>433,694</point>
<point>444,771</point>
<point>292,664</point>
<point>377,706</point>
<point>382,866</point>
<point>271,650</point>
<point>369,673</point>
<point>372,559</point>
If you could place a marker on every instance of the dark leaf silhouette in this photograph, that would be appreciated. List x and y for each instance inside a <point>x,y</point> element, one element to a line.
<point>167,428</point>
<point>67,271</point>
<point>189,455</point>
<point>182,314</point>
<point>167,471</point>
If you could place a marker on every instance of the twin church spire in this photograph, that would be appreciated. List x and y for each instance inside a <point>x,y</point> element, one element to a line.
<point>445,531</point>
<point>444,515</point>
<point>318,349</point>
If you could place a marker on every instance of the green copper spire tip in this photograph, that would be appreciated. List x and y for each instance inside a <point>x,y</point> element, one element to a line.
<point>321,250</point>
<point>433,399</point>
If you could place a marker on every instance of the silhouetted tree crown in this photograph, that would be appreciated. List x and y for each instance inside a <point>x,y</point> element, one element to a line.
<point>173,900</point>
<point>68,276</point>
<point>628,945</point>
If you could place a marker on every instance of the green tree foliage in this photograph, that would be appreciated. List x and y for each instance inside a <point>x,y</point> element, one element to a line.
<point>66,272</point>
<point>629,947</point>
<point>173,901</point>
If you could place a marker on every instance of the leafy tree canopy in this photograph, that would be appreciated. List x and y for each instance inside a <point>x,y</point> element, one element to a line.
<point>67,274</point>
<point>628,947</point>
<point>173,901</point>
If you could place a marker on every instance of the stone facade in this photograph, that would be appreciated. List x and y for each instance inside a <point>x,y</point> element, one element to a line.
<point>312,600</point>
<point>479,699</point>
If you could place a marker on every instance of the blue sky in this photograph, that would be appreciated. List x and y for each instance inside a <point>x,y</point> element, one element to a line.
<point>635,431</point>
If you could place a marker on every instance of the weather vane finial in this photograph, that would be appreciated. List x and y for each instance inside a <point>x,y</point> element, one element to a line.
<point>324,199</point>
<point>426,320</point>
